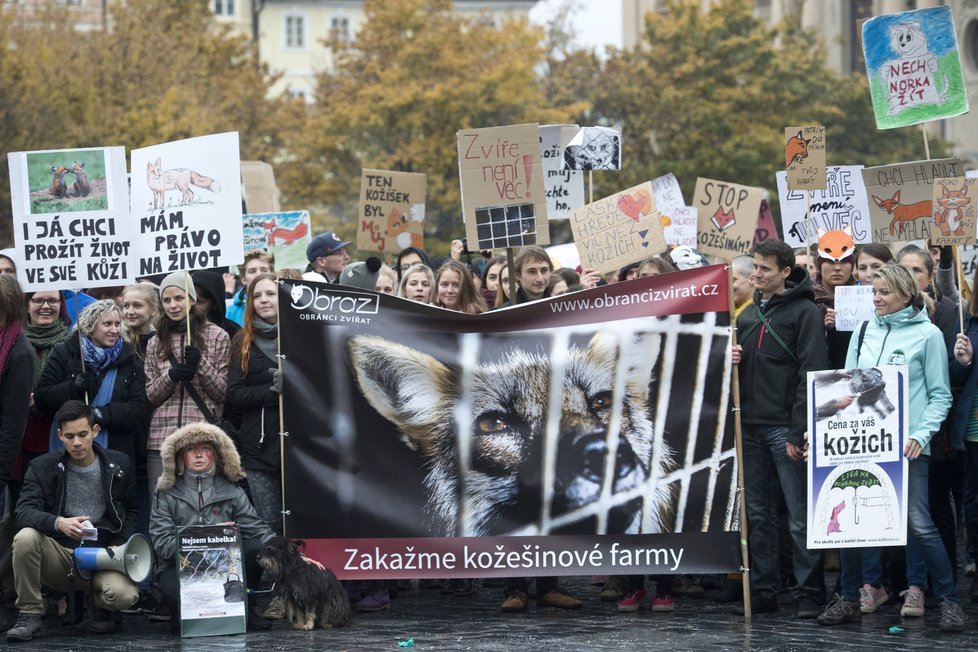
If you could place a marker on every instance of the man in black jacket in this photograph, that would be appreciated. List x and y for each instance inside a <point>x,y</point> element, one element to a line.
<point>82,493</point>
<point>782,338</point>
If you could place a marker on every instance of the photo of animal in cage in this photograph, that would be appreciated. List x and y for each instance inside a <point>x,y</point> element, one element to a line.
<point>612,428</point>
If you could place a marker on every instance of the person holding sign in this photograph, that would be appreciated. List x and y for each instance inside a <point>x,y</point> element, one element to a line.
<point>186,377</point>
<point>901,334</point>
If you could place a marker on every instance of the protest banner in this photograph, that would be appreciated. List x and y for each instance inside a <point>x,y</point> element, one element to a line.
<point>211,577</point>
<point>766,228</point>
<point>857,474</point>
<point>504,201</point>
<point>71,218</point>
<point>565,188</point>
<point>667,193</point>
<point>954,211</point>
<point>804,153</point>
<point>186,200</point>
<point>618,230</point>
<point>391,210</point>
<point>426,430</point>
<point>901,195</point>
<point>593,148</point>
<point>842,202</point>
<point>285,234</point>
<point>853,306</point>
<point>726,216</point>
<point>679,226</point>
<point>914,67</point>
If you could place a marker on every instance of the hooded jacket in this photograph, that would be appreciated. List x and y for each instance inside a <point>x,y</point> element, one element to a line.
<point>183,500</point>
<point>42,497</point>
<point>126,413</point>
<point>907,337</point>
<point>772,380</point>
<point>213,286</point>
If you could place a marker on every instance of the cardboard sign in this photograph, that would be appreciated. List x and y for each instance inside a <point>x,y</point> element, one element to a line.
<point>727,217</point>
<point>954,211</point>
<point>766,228</point>
<point>843,202</point>
<point>211,577</point>
<point>391,210</point>
<point>186,200</point>
<point>284,234</point>
<point>565,188</point>
<point>914,67</point>
<point>901,206</point>
<point>71,218</point>
<point>857,474</point>
<point>618,230</point>
<point>504,202</point>
<point>853,306</point>
<point>261,194</point>
<point>667,193</point>
<point>594,148</point>
<point>679,226</point>
<point>804,155</point>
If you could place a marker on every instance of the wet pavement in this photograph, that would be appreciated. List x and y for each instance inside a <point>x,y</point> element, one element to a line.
<point>440,622</point>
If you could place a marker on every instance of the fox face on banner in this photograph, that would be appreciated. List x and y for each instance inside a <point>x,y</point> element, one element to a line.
<point>593,421</point>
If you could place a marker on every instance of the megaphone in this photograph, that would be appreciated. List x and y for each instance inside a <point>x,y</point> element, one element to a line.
<point>133,559</point>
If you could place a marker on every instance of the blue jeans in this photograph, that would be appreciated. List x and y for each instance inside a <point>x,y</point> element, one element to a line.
<point>925,550</point>
<point>859,566</point>
<point>766,468</point>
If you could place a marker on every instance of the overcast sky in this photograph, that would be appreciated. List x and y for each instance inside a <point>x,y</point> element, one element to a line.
<point>596,22</point>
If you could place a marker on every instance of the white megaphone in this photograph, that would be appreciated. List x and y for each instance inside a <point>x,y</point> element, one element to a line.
<point>133,559</point>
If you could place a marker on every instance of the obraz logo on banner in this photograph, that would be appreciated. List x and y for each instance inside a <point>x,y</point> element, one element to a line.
<point>327,305</point>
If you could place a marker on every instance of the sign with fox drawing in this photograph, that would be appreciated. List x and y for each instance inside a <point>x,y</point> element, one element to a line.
<point>429,432</point>
<point>901,198</point>
<point>726,217</point>
<point>914,67</point>
<point>804,155</point>
<point>186,200</point>
<point>71,218</point>
<point>391,210</point>
<point>285,234</point>
<point>954,211</point>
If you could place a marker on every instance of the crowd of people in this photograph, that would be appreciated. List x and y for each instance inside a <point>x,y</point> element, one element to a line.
<point>152,406</point>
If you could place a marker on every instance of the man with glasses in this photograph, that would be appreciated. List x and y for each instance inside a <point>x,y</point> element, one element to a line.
<point>327,258</point>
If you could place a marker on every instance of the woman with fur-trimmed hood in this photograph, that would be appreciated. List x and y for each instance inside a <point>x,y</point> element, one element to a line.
<point>197,487</point>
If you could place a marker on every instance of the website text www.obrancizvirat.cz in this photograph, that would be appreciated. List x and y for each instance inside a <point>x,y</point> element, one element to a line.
<point>648,296</point>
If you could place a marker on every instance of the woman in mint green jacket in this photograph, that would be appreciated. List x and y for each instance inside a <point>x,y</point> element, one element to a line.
<point>901,334</point>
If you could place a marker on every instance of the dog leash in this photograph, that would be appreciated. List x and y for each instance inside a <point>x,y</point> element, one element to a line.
<point>260,591</point>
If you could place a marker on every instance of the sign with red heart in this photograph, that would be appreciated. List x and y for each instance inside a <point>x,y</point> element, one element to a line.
<point>727,217</point>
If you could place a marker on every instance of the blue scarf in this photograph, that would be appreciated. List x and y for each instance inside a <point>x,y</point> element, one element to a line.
<point>98,358</point>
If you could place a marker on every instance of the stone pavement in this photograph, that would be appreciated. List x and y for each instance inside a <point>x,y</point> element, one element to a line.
<point>438,622</point>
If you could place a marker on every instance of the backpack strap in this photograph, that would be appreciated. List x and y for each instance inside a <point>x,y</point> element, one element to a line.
<point>859,343</point>
<point>777,338</point>
<point>192,391</point>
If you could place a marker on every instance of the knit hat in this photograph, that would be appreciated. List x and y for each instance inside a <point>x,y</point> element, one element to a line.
<point>361,274</point>
<point>323,245</point>
<point>179,280</point>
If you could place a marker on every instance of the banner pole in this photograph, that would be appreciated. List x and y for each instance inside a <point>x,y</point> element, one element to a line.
<point>808,228</point>
<point>281,416</point>
<point>959,273</point>
<point>186,295</point>
<point>81,351</point>
<point>923,128</point>
<point>511,266</point>
<point>738,439</point>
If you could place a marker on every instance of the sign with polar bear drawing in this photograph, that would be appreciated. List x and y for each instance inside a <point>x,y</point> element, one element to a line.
<point>914,67</point>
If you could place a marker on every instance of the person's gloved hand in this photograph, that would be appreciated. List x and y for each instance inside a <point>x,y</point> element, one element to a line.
<point>191,357</point>
<point>99,416</point>
<point>181,372</point>
<point>277,381</point>
<point>86,381</point>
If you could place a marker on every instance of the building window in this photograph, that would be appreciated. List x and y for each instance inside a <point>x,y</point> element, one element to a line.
<point>223,7</point>
<point>340,29</point>
<point>297,93</point>
<point>295,32</point>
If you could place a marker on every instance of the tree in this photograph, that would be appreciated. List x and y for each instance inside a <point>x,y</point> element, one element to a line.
<point>415,74</point>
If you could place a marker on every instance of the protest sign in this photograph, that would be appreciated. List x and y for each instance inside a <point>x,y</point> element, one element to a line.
<point>285,234</point>
<point>667,193</point>
<point>450,482</point>
<point>901,194</point>
<point>618,230</point>
<point>593,148</point>
<point>804,153</point>
<point>954,211</point>
<point>211,577</point>
<point>679,226</point>
<point>186,201</point>
<point>503,197</point>
<point>565,188</point>
<point>391,210</point>
<point>71,218</point>
<point>853,306</point>
<point>727,217</point>
<point>857,474</point>
<point>914,67</point>
<point>843,202</point>
<point>766,229</point>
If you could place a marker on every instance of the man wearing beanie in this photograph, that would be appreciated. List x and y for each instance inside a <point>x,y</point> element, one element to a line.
<point>327,257</point>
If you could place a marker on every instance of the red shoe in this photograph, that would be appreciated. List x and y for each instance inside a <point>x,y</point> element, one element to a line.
<point>663,604</point>
<point>631,601</point>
